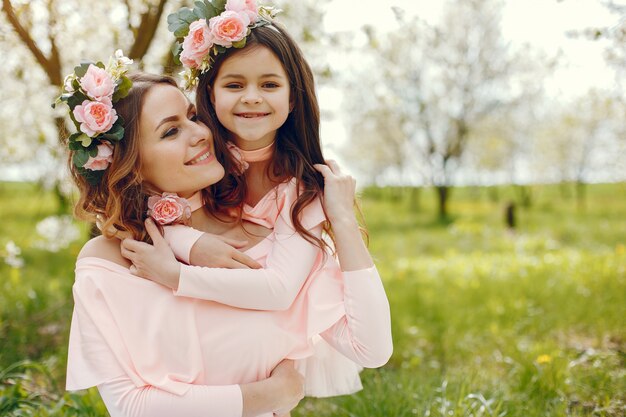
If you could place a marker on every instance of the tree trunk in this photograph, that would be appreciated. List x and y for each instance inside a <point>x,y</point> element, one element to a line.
<point>442,199</point>
<point>581,195</point>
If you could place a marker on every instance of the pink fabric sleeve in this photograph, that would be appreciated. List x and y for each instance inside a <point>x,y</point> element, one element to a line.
<point>287,266</point>
<point>364,333</point>
<point>181,239</point>
<point>123,399</point>
<point>274,287</point>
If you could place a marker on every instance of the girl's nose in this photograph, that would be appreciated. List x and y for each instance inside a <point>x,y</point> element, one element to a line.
<point>251,96</point>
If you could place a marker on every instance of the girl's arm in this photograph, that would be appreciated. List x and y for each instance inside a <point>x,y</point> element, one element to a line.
<point>275,287</point>
<point>364,333</point>
<point>279,393</point>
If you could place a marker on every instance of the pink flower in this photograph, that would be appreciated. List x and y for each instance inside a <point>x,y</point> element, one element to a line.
<point>95,116</point>
<point>249,7</point>
<point>97,83</point>
<point>169,208</point>
<point>102,160</point>
<point>242,165</point>
<point>196,44</point>
<point>229,27</point>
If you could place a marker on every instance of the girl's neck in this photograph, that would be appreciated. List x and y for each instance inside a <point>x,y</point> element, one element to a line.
<point>257,155</point>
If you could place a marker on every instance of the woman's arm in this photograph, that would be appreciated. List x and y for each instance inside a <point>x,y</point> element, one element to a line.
<point>279,393</point>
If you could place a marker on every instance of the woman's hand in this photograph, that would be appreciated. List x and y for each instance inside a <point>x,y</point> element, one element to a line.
<point>216,251</point>
<point>290,386</point>
<point>155,262</point>
<point>339,191</point>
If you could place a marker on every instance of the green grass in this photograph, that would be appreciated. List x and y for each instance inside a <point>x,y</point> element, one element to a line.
<point>486,322</point>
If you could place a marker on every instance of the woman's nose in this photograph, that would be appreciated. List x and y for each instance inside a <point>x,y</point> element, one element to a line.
<point>201,134</point>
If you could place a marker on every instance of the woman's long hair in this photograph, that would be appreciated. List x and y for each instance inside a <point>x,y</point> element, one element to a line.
<point>298,145</point>
<point>120,198</point>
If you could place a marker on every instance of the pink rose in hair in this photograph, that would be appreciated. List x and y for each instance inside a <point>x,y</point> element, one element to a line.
<point>102,160</point>
<point>97,83</point>
<point>168,208</point>
<point>196,44</point>
<point>249,7</point>
<point>229,27</point>
<point>95,117</point>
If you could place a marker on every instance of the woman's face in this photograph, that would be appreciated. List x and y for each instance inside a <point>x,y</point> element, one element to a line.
<point>251,97</point>
<point>177,152</point>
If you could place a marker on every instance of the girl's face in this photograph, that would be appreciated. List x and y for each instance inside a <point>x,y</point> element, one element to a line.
<point>251,97</point>
<point>177,153</point>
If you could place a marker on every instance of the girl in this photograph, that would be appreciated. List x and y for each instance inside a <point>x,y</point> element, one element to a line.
<point>261,98</point>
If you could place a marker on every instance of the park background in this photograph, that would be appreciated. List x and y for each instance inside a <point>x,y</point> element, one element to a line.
<point>450,114</point>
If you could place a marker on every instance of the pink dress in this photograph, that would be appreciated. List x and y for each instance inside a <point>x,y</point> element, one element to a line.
<point>289,260</point>
<point>155,354</point>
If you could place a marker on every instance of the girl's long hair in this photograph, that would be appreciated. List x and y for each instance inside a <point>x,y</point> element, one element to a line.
<point>297,146</point>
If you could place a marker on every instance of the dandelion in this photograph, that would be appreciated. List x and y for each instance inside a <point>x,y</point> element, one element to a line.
<point>543,359</point>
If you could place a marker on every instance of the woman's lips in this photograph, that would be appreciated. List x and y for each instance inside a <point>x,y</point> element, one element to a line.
<point>203,157</point>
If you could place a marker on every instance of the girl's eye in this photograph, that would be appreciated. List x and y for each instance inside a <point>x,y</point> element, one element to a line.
<point>194,117</point>
<point>233,86</point>
<point>170,132</point>
<point>270,85</point>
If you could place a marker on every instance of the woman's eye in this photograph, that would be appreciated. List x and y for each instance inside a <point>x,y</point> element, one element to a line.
<point>233,86</point>
<point>270,85</point>
<point>170,132</point>
<point>194,117</point>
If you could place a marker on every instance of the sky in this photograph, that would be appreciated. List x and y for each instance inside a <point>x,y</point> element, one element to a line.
<point>543,24</point>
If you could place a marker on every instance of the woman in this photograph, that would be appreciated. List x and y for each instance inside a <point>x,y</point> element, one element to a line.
<point>151,353</point>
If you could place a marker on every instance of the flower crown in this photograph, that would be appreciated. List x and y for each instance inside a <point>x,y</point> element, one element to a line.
<point>90,92</point>
<point>210,28</point>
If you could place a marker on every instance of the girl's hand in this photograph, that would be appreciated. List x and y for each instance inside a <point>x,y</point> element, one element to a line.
<point>339,192</point>
<point>155,262</point>
<point>215,251</point>
<point>290,385</point>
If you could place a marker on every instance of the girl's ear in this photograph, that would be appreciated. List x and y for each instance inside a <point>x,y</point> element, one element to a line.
<point>211,95</point>
<point>292,104</point>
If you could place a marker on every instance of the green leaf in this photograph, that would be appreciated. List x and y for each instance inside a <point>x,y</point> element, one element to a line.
<point>201,10</point>
<point>179,22</point>
<point>84,140</point>
<point>177,48</point>
<point>116,133</point>
<point>124,85</point>
<point>80,158</point>
<point>100,65</point>
<point>81,70</point>
<point>92,177</point>
<point>93,151</point>
<point>239,44</point>
<point>76,98</point>
<point>220,5</point>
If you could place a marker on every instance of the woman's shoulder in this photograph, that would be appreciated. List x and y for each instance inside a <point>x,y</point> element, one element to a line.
<point>104,248</point>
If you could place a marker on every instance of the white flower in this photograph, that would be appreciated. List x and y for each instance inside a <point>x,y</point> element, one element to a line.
<point>12,257</point>
<point>121,59</point>
<point>57,233</point>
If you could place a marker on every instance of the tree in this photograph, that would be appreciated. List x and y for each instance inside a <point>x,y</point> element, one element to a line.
<point>447,79</point>
<point>47,35</point>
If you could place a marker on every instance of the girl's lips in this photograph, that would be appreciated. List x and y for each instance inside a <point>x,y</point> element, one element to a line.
<point>203,157</point>
<point>251,115</point>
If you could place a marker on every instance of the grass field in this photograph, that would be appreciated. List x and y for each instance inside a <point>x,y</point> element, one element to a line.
<point>486,322</point>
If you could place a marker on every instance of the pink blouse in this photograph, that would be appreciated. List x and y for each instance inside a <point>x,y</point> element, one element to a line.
<point>154,354</point>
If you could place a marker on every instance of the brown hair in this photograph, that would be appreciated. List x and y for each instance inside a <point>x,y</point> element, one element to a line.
<point>298,144</point>
<point>120,198</point>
